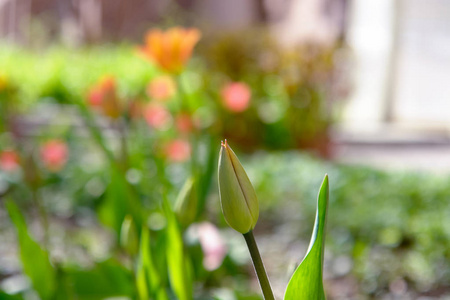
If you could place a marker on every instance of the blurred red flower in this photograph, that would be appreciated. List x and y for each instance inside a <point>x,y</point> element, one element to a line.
<point>178,150</point>
<point>236,96</point>
<point>170,49</point>
<point>161,88</point>
<point>9,160</point>
<point>103,95</point>
<point>135,108</point>
<point>54,154</point>
<point>157,116</point>
<point>184,123</point>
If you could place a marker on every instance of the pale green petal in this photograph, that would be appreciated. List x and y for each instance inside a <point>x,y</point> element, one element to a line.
<point>246,186</point>
<point>234,205</point>
<point>237,195</point>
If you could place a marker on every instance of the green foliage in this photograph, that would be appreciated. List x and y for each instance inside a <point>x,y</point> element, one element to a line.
<point>177,262</point>
<point>5,296</point>
<point>187,203</point>
<point>148,280</point>
<point>65,75</point>
<point>106,279</point>
<point>128,236</point>
<point>119,201</point>
<point>307,282</point>
<point>384,222</point>
<point>35,261</point>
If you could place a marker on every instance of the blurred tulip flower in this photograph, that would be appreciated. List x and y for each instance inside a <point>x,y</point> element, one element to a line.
<point>170,49</point>
<point>161,88</point>
<point>236,96</point>
<point>184,123</point>
<point>9,161</point>
<point>135,108</point>
<point>54,154</point>
<point>213,245</point>
<point>178,150</point>
<point>237,196</point>
<point>103,95</point>
<point>4,82</point>
<point>157,116</point>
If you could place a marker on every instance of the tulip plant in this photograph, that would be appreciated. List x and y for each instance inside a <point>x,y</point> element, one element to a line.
<point>241,210</point>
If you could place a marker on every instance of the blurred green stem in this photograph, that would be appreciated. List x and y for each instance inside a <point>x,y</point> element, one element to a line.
<point>259,266</point>
<point>195,137</point>
<point>122,128</point>
<point>42,214</point>
<point>95,132</point>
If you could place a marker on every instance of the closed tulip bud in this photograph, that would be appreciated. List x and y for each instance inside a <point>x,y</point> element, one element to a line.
<point>129,236</point>
<point>237,196</point>
<point>186,204</point>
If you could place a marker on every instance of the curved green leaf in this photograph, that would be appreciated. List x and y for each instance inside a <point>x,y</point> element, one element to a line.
<point>148,280</point>
<point>35,260</point>
<point>306,283</point>
<point>177,263</point>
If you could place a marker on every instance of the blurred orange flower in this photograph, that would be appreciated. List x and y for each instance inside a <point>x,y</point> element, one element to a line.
<point>103,95</point>
<point>161,88</point>
<point>170,49</point>
<point>178,150</point>
<point>157,116</point>
<point>236,96</point>
<point>54,154</point>
<point>9,160</point>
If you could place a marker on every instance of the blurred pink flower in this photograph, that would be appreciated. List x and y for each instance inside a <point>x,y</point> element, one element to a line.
<point>9,160</point>
<point>213,246</point>
<point>54,154</point>
<point>161,88</point>
<point>157,116</point>
<point>236,96</point>
<point>178,150</point>
<point>95,97</point>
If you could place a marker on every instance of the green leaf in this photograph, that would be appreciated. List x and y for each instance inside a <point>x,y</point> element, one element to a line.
<point>35,260</point>
<point>148,280</point>
<point>106,279</point>
<point>4,296</point>
<point>306,283</point>
<point>129,239</point>
<point>187,202</point>
<point>119,201</point>
<point>204,183</point>
<point>177,262</point>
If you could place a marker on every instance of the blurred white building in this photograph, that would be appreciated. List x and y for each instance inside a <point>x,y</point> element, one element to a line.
<point>402,64</point>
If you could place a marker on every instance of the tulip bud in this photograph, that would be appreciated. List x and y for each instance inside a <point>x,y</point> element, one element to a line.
<point>129,236</point>
<point>186,204</point>
<point>237,196</point>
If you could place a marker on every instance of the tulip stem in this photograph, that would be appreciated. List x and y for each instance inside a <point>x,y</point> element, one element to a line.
<point>259,266</point>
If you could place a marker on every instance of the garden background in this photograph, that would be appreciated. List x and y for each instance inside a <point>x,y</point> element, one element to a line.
<point>111,118</point>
